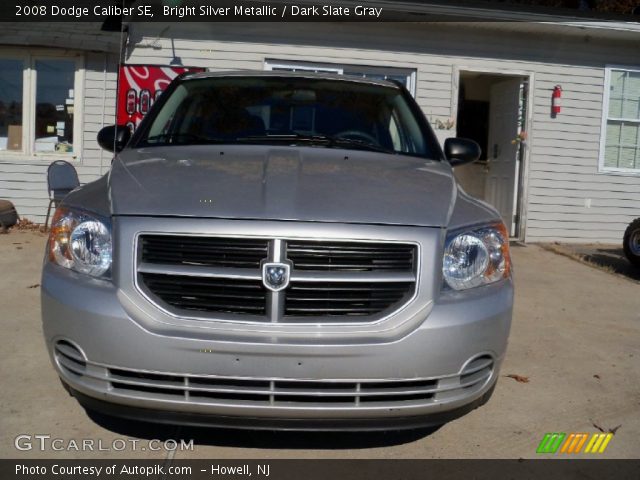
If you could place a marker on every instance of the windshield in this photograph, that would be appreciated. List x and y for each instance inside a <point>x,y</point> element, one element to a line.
<point>291,111</point>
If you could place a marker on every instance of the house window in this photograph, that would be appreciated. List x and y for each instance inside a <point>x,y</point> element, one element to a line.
<point>406,76</point>
<point>39,107</point>
<point>11,91</point>
<point>276,66</point>
<point>54,94</point>
<point>620,148</point>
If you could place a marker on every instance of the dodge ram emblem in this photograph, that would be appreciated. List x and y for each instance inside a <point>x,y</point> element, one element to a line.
<point>275,276</point>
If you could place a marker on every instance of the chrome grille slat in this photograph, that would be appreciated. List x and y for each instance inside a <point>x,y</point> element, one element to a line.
<point>329,280</point>
<point>355,287</point>
<point>291,391</point>
<point>375,277</point>
<point>199,271</point>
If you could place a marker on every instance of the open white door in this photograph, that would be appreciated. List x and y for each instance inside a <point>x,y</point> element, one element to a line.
<point>502,177</point>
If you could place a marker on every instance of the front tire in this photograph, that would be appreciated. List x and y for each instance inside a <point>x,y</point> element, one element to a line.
<point>631,242</point>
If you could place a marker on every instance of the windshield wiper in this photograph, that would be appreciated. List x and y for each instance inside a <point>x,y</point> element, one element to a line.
<point>359,143</point>
<point>327,140</point>
<point>286,137</point>
<point>183,139</point>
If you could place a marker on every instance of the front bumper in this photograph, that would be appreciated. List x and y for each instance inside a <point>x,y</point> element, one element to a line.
<point>115,364</point>
<point>280,423</point>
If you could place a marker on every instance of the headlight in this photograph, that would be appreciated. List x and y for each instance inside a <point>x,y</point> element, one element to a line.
<point>475,257</point>
<point>81,242</point>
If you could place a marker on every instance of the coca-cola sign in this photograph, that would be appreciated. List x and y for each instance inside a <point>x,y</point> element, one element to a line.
<point>141,85</point>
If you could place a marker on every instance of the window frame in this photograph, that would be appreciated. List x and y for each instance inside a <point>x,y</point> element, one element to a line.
<point>271,65</point>
<point>29,90</point>
<point>339,68</point>
<point>606,97</point>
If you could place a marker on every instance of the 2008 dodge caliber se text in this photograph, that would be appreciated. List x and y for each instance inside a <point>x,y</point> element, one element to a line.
<point>279,250</point>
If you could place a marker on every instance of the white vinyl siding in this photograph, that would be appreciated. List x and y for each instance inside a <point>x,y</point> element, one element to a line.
<point>620,145</point>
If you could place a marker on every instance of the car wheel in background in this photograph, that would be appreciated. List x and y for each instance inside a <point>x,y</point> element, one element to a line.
<point>8,215</point>
<point>631,242</point>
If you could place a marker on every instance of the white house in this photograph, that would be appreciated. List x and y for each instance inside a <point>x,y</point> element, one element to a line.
<point>573,176</point>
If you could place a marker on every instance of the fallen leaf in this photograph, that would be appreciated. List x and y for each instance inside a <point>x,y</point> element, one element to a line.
<point>24,224</point>
<point>35,285</point>
<point>518,378</point>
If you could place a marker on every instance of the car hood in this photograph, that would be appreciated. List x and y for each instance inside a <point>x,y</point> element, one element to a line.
<point>313,184</point>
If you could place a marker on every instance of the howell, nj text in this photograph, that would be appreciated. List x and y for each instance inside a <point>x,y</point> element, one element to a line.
<point>243,470</point>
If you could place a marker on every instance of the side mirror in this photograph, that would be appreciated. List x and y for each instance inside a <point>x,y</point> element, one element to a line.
<point>114,137</point>
<point>461,150</point>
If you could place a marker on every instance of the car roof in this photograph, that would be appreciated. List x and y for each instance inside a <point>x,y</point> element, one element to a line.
<point>285,74</point>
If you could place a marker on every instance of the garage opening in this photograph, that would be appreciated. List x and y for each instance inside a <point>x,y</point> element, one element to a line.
<point>492,111</point>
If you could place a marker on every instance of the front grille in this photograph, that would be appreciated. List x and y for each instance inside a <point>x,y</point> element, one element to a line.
<point>301,392</point>
<point>329,280</point>
<point>208,294</point>
<point>208,251</point>
<point>349,256</point>
<point>273,392</point>
<point>344,298</point>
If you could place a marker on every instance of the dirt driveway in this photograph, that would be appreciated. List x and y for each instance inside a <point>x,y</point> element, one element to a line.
<point>575,335</point>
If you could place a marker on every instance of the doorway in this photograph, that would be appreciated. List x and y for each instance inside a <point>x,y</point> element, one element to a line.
<point>492,110</point>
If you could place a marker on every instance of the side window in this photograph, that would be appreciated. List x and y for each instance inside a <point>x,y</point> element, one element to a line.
<point>163,122</point>
<point>412,140</point>
<point>394,132</point>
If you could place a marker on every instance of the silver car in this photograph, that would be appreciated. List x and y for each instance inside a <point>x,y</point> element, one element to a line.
<point>283,251</point>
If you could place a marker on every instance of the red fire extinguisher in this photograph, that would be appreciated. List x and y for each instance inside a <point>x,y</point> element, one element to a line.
<point>556,100</point>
